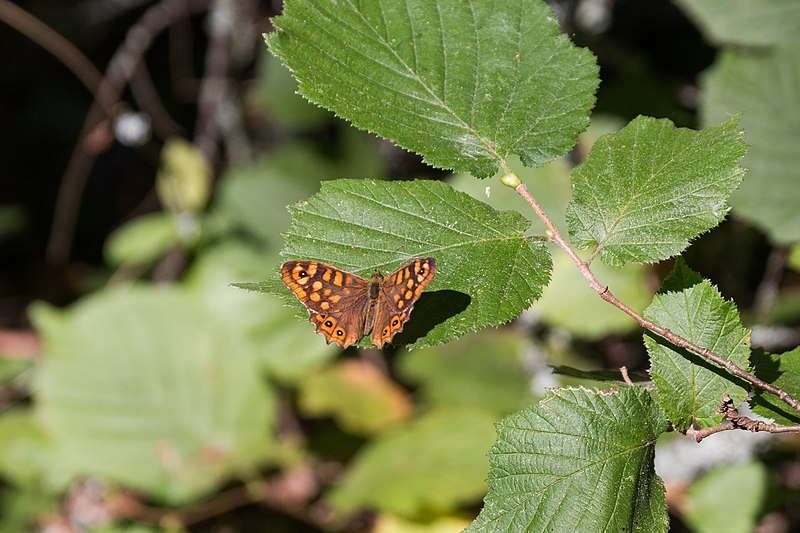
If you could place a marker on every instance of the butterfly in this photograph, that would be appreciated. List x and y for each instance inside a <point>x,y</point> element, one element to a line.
<point>345,307</point>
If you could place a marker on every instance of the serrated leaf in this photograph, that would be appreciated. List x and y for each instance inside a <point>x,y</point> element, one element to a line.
<point>745,22</point>
<point>487,270</point>
<point>465,84</point>
<point>783,371</point>
<point>484,370</point>
<point>362,399</point>
<point>143,386</point>
<point>707,505</point>
<point>766,87</point>
<point>688,387</point>
<point>580,460</point>
<point>643,193</point>
<point>423,469</point>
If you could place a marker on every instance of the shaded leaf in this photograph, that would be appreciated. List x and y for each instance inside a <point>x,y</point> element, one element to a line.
<point>465,84</point>
<point>27,457</point>
<point>276,92</point>
<point>783,371</point>
<point>487,270</point>
<point>362,399</point>
<point>761,23</point>
<point>434,464</point>
<point>286,348</point>
<point>688,387</point>
<point>643,193</point>
<point>578,461</point>
<point>143,386</point>
<point>765,86</point>
<point>387,523</point>
<point>253,197</point>
<point>142,240</point>
<point>708,505</point>
<point>484,370</point>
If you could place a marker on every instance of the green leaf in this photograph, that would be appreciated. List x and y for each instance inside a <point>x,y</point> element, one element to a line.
<point>19,508</point>
<point>253,197</point>
<point>423,469</point>
<point>484,370</point>
<point>708,507</point>
<point>643,193</point>
<point>783,371</point>
<point>688,387</point>
<point>183,182</point>
<point>465,84</point>
<point>276,92</point>
<point>580,460</point>
<point>567,302</point>
<point>271,330</point>
<point>145,387</point>
<point>362,399</point>
<point>13,218</point>
<point>745,22</point>
<point>142,240</point>
<point>27,456</point>
<point>766,87</point>
<point>487,270</point>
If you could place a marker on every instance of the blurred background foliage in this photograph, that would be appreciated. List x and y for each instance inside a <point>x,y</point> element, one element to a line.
<point>139,391</point>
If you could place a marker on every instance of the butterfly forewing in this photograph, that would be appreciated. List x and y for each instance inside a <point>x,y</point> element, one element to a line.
<point>345,307</point>
<point>334,298</point>
<point>400,290</point>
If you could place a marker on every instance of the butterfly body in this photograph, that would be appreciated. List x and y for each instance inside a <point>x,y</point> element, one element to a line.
<point>344,307</point>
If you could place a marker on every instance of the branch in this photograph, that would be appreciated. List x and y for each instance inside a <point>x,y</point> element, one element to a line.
<point>733,420</point>
<point>675,339</point>
<point>120,69</point>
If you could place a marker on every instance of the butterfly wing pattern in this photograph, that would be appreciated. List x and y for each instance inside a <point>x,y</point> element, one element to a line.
<point>398,294</point>
<point>344,307</point>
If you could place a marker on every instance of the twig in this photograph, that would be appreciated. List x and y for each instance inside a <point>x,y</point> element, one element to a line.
<point>675,339</point>
<point>624,371</point>
<point>734,420</point>
<point>119,71</point>
<point>213,86</point>
<point>63,50</point>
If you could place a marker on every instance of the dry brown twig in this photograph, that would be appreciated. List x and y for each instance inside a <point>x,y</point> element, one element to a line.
<point>733,420</point>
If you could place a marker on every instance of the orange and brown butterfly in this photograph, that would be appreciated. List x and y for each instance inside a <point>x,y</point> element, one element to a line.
<point>345,307</point>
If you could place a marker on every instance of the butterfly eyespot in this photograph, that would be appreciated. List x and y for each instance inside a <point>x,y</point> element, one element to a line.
<point>334,296</point>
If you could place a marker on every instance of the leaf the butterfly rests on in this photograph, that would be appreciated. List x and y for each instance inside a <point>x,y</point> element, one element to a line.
<point>345,307</point>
